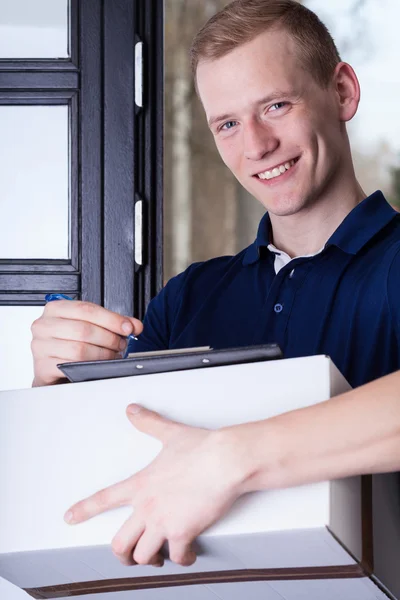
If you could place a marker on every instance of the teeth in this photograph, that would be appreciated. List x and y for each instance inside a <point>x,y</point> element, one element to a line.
<point>276,171</point>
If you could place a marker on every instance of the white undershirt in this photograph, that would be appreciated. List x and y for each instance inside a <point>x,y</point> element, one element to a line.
<point>282,259</point>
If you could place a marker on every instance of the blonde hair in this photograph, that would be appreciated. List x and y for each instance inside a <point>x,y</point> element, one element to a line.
<point>243,20</point>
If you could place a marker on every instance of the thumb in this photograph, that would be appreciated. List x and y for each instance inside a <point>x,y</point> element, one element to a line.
<point>152,423</point>
<point>137,325</point>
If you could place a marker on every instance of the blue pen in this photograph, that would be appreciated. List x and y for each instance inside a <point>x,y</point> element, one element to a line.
<point>51,297</point>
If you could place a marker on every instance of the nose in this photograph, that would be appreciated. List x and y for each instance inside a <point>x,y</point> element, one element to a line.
<point>259,140</point>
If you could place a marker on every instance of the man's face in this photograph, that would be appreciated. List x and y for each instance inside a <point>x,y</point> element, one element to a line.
<point>270,117</point>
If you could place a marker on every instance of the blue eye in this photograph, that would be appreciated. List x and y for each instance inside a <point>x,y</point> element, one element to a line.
<point>225,125</point>
<point>278,104</point>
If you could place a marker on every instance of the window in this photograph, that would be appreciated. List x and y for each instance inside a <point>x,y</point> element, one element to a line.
<point>77,156</point>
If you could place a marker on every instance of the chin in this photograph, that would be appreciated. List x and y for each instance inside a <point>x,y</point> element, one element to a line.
<point>284,207</point>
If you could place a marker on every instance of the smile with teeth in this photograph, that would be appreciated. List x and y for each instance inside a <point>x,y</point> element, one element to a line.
<point>277,171</point>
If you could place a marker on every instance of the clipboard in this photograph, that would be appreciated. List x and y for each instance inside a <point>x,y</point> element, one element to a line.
<point>166,360</point>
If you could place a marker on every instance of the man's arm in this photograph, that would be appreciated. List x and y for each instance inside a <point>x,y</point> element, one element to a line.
<point>355,433</point>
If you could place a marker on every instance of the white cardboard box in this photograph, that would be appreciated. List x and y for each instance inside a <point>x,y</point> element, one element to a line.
<point>59,444</point>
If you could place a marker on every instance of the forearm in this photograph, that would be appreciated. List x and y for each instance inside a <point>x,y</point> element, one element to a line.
<point>354,433</point>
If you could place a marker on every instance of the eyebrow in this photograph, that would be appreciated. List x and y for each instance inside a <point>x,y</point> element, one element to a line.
<point>277,95</point>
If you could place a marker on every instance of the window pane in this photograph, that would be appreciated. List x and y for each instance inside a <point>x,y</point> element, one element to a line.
<point>16,366</point>
<point>34,29</point>
<point>34,176</point>
<point>375,130</point>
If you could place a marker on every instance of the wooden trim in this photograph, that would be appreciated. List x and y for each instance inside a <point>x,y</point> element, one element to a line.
<point>73,181</point>
<point>38,97</point>
<point>39,283</point>
<point>34,265</point>
<point>152,582</point>
<point>91,151</point>
<point>44,65</point>
<point>74,41</point>
<point>119,155</point>
<point>39,80</point>
<point>149,279</point>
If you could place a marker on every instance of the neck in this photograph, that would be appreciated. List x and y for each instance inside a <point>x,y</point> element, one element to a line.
<point>308,231</point>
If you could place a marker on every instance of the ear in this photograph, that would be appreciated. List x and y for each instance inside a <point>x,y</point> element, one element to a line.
<point>347,90</point>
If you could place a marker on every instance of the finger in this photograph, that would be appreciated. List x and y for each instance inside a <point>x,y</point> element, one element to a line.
<point>78,331</point>
<point>147,550</point>
<point>93,313</point>
<point>125,540</point>
<point>152,423</point>
<point>181,553</point>
<point>70,351</point>
<point>112,497</point>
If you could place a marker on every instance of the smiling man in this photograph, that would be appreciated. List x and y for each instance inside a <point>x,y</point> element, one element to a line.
<point>322,277</point>
<point>283,134</point>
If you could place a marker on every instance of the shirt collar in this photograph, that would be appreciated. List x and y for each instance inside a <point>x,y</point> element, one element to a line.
<point>365,220</point>
<point>360,225</point>
<point>263,239</point>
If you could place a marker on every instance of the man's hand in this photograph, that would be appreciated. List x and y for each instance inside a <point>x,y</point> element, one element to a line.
<point>76,331</point>
<point>193,481</point>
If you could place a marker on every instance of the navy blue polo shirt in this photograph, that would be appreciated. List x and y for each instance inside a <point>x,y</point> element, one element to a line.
<point>343,302</point>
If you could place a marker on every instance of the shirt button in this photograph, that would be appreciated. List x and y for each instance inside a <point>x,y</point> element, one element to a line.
<point>278,308</point>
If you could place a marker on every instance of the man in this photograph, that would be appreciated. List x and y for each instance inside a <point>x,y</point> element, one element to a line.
<point>322,277</point>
